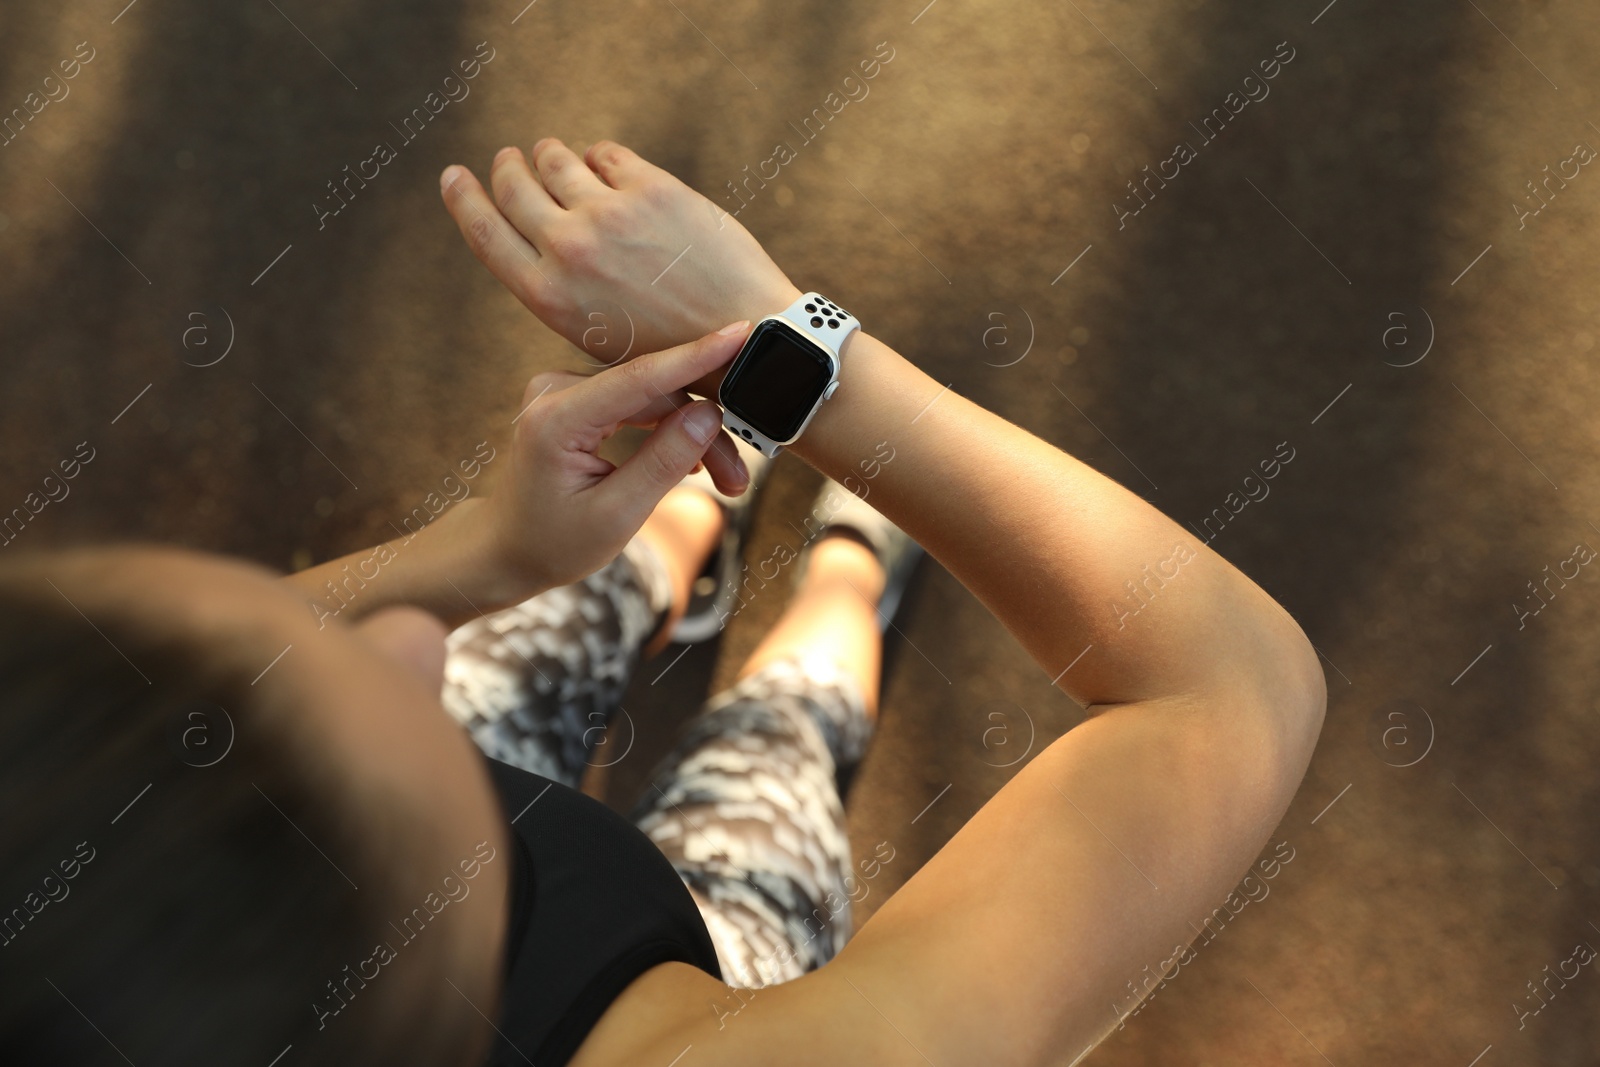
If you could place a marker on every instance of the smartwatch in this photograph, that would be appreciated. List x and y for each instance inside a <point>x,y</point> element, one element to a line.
<point>788,366</point>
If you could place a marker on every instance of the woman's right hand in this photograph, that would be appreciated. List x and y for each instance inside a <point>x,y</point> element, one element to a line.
<point>612,252</point>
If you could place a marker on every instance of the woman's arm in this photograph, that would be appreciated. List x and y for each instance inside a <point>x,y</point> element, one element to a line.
<point>1082,571</point>
<point>1044,541</point>
<point>448,568</point>
<point>1027,936</point>
<point>1029,932</point>
<point>1082,882</point>
<point>560,511</point>
<point>1075,889</point>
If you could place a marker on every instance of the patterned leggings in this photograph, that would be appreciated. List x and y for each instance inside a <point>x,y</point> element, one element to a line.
<point>746,806</point>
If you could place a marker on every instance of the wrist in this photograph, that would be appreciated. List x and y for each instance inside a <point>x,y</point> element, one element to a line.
<point>879,399</point>
<point>459,566</point>
<point>496,558</point>
<point>452,568</point>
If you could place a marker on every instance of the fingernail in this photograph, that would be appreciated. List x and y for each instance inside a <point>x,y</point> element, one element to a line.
<point>737,327</point>
<point>702,421</point>
<point>448,176</point>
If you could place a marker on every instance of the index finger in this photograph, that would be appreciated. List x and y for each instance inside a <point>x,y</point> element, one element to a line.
<point>616,393</point>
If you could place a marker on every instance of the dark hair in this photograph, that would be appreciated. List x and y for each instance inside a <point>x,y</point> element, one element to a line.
<point>162,895</point>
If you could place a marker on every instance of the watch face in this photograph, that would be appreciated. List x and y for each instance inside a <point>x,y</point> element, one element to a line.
<point>777,380</point>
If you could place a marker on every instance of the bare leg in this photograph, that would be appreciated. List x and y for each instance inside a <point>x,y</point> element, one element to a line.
<point>833,614</point>
<point>684,530</point>
<point>748,807</point>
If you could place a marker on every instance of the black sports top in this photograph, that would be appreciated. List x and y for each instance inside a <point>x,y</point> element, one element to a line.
<point>594,904</point>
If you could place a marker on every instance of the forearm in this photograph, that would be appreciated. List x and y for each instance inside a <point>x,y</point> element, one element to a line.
<point>1208,697</point>
<point>1067,559</point>
<point>448,568</point>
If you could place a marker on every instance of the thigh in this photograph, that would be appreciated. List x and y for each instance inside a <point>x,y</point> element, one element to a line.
<point>536,684</point>
<point>748,809</point>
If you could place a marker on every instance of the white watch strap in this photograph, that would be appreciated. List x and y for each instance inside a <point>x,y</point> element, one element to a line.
<point>820,317</point>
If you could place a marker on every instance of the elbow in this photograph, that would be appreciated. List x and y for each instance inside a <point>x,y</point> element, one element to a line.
<point>1283,715</point>
<point>1303,694</point>
<point>1287,685</point>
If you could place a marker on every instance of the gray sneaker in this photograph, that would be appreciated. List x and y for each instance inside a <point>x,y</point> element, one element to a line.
<point>837,508</point>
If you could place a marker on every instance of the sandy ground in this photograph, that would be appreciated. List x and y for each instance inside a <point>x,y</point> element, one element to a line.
<point>1342,271</point>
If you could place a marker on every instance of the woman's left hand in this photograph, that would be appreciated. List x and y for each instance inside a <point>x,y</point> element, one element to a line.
<point>562,512</point>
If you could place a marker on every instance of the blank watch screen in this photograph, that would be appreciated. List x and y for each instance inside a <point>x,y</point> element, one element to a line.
<point>775,385</point>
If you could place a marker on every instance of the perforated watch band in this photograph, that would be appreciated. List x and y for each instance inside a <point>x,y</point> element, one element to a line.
<point>820,317</point>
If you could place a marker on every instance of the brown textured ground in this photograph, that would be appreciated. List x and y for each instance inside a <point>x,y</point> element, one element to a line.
<point>1251,292</point>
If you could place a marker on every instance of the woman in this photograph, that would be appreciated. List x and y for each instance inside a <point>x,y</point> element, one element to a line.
<point>350,881</point>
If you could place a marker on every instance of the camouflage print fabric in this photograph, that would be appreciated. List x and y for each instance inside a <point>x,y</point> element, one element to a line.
<point>747,806</point>
<point>536,684</point>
